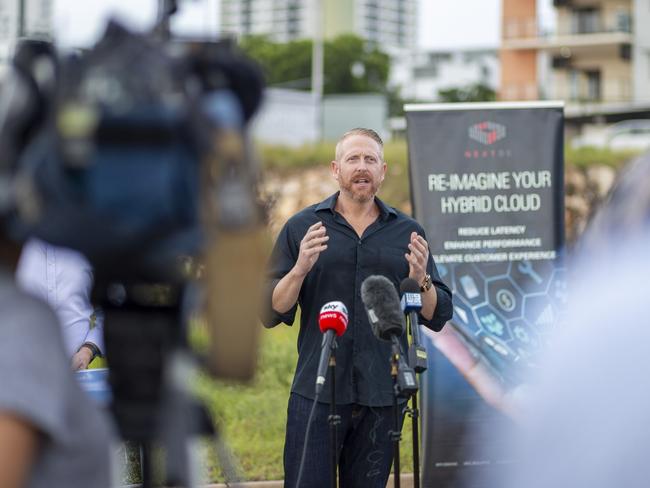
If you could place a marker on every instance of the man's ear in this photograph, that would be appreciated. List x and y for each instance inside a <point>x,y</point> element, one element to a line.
<point>334,167</point>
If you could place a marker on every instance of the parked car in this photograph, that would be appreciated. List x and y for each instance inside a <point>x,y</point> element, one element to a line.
<point>628,134</point>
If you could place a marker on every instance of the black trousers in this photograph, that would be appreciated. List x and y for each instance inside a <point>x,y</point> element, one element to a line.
<point>365,450</point>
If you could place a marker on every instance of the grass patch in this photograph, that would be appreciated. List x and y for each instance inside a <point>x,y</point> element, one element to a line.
<point>289,159</point>
<point>252,418</point>
<point>588,156</point>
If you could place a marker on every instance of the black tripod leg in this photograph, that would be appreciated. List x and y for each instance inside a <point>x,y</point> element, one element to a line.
<point>226,460</point>
<point>146,469</point>
<point>416,441</point>
<point>333,446</point>
<point>333,421</point>
<point>396,434</point>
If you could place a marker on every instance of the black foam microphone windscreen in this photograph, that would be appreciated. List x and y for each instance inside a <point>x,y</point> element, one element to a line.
<point>409,285</point>
<point>380,298</point>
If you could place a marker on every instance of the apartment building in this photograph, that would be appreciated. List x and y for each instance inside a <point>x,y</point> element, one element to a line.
<point>598,52</point>
<point>392,24</point>
<point>422,75</point>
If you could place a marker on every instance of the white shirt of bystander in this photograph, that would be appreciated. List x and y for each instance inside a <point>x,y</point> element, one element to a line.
<point>63,278</point>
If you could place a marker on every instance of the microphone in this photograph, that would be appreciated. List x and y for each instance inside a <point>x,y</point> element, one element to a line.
<point>382,304</point>
<point>332,320</point>
<point>411,304</point>
<point>380,299</point>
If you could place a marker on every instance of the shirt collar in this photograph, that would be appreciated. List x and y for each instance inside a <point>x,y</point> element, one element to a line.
<point>330,203</point>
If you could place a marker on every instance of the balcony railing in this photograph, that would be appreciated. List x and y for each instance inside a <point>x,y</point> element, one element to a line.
<point>527,28</point>
<point>519,91</point>
<point>610,90</point>
<point>595,24</point>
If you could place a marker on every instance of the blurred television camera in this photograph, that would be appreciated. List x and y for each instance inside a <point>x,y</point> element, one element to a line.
<point>135,152</point>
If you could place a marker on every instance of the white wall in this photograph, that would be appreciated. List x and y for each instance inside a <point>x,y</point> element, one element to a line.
<point>344,112</point>
<point>286,117</point>
<point>290,117</point>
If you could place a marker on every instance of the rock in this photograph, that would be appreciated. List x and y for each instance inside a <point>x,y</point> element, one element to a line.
<point>575,181</point>
<point>285,195</point>
<point>576,215</point>
<point>601,178</point>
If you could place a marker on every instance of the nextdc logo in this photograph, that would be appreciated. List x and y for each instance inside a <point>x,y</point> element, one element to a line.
<point>487,132</point>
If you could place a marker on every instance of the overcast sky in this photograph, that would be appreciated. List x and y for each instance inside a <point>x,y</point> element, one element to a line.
<point>443,23</point>
<point>459,23</point>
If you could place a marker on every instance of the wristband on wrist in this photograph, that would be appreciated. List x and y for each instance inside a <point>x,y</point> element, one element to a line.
<point>93,348</point>
<point>426,283</point>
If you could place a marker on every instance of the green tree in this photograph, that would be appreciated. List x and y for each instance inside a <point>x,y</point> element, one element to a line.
<point>353,66</point>
<point>285,65</point>
<point>477,92</point>
<point>350,64</point>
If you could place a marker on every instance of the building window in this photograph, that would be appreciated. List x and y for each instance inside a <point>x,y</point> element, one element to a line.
<point>623,21</point>
<point>428,71</point>
<point>574,85</point>
<point>485,74</point>
<point>247,20</point>
<point>293,21</point>
<point>440,57</point>
<point>585,21</point>
<point>593,85</point>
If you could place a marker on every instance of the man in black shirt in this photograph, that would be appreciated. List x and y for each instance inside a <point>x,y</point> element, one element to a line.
<point>322,254</point>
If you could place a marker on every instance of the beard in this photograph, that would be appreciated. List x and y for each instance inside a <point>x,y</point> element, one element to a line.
<point>360,195</point>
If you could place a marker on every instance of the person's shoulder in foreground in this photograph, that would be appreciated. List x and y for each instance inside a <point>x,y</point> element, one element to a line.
<point>39,390</point>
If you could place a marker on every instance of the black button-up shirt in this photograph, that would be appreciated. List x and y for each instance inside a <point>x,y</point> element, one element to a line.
<point>362,360</point>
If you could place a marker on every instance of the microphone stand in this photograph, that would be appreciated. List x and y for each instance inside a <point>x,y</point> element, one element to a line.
<point>414,413</point>
<point>395,434</point>
<point>418,361</point>
<point>405,384</point>
<point>334,420</point>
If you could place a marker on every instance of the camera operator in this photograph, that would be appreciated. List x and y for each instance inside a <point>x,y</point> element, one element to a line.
<point>51,435</point>
<point>63,279</point>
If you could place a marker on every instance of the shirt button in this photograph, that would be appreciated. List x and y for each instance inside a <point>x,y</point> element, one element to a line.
<point>360,242</point>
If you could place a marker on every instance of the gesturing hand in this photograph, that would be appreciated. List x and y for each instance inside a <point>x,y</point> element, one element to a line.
<point>417,257</point>
<point>311,246</point>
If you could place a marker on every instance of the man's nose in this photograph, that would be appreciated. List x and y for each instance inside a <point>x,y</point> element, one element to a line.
<point>362,164</point>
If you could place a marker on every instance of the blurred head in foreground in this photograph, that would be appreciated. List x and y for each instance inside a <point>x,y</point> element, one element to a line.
<point>588,416</point>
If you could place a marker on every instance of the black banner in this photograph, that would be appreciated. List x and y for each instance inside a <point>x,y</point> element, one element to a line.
<point>487,185</point>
